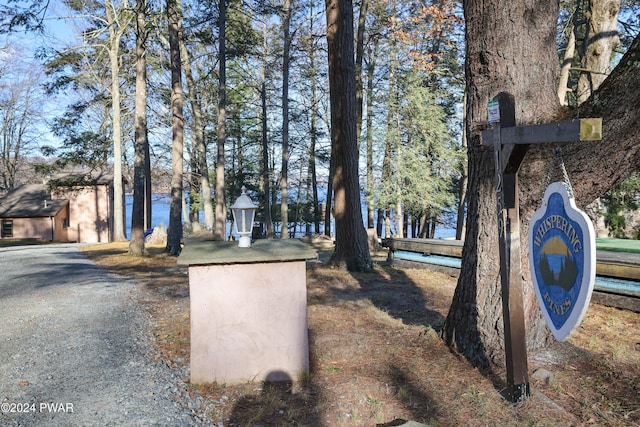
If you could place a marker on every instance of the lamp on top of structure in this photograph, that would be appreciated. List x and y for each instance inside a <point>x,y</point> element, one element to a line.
<point>243,211</point>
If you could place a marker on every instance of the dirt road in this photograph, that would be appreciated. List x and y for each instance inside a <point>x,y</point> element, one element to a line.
<point>74,347</point>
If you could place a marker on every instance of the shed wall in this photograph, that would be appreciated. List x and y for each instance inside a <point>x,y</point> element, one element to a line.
<point>44,228</point>
<point>89,213</point>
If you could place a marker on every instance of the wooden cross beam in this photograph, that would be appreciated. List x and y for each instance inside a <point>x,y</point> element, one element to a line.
<point>510,143</point>
<point>566,131</point>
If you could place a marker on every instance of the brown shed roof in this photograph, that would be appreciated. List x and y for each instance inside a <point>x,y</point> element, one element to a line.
<point>29,201</point>
<point>81,176</point>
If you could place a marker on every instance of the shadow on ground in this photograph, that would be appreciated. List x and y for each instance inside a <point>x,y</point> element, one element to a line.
<point>390,290</point>
<point>391,293</point>
<point>158,270</point>
<point>276,404</point>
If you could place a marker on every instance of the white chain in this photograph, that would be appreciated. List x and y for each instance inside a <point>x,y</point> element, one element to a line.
<point>558,160</point>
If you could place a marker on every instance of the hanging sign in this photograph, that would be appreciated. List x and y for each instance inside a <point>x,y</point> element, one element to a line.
<point>562,257</point>
<point>493,110</point>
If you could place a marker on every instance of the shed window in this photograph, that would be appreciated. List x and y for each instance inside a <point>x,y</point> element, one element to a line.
<point>7,228</point>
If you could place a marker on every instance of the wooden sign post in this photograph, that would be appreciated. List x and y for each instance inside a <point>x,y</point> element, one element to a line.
<point>510,144</point>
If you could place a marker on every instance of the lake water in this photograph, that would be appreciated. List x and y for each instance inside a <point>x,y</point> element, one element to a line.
<point>161,204</point>
<point>159,211</point>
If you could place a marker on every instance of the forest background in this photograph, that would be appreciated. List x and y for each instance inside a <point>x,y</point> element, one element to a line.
<point>410,78</point>
<point>255,106</point>
<point>263,135</point>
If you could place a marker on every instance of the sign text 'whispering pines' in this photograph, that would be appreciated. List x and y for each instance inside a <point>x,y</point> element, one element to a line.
<point>562,260</point>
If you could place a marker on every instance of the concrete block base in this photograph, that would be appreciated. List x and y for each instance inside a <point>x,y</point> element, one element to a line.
<point>248,322</point>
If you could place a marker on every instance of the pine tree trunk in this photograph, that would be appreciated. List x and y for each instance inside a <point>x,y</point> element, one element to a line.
<point>352,248</point>
<point>284,179</point>
<point>362,19</point>
<point>193,214</point>
<point>200,147</point>
<point>328,209</point>
<point>499,57</point>
<point>590,176</point>
<point>136,245</point>
<point>174,233</point>
<point>115,36</point>
<point>601,38</point>
<point>380,224</point>
<point>317,215</point>
<point>148,191</point>
<point>462,188</point>
<point>569,52</point>
<point>265,188</point>
<point>473,325</point>
<point>369,132</point>
<point>313,82</point>
<point>220,228</point>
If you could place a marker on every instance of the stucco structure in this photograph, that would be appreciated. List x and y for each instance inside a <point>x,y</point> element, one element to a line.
<point>29,213</point>
<point>72,207</point>
<point>90,212</point>
<point>248,310</point>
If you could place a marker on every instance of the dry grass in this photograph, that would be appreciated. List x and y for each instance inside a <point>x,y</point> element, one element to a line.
<point>376,356</point>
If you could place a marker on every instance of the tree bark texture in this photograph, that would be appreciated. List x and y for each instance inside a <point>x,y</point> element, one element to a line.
<point>136,245</point>
<point>200,147</point>
<point>352,250</point>
<point>174,233</point>
<point>265,188</point>
<point>284,178</point>
<point>313,121</point>
<point>601,38</point>
<point>328,208</point>
<point>362,19</point>
<point>369,137</point>
<point>566,65</point>
<point>619,107</point>
<point>392,146</point>
<point>148,190</point>
<point>115,35</point>
<point>593,167</point>
<point>462,188</point>
<point>220,228</point>
<point>510,47</point>
<point>317,214</point>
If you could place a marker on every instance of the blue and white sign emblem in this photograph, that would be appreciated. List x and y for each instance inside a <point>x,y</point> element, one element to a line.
<point>562,257</point>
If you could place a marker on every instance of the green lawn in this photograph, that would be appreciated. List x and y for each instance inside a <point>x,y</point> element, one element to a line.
<point>618,245</point>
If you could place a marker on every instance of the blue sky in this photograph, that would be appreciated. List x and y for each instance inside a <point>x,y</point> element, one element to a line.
<point>18,52</point>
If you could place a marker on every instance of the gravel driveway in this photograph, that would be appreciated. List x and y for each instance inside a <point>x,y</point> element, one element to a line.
<point>75,348</point>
